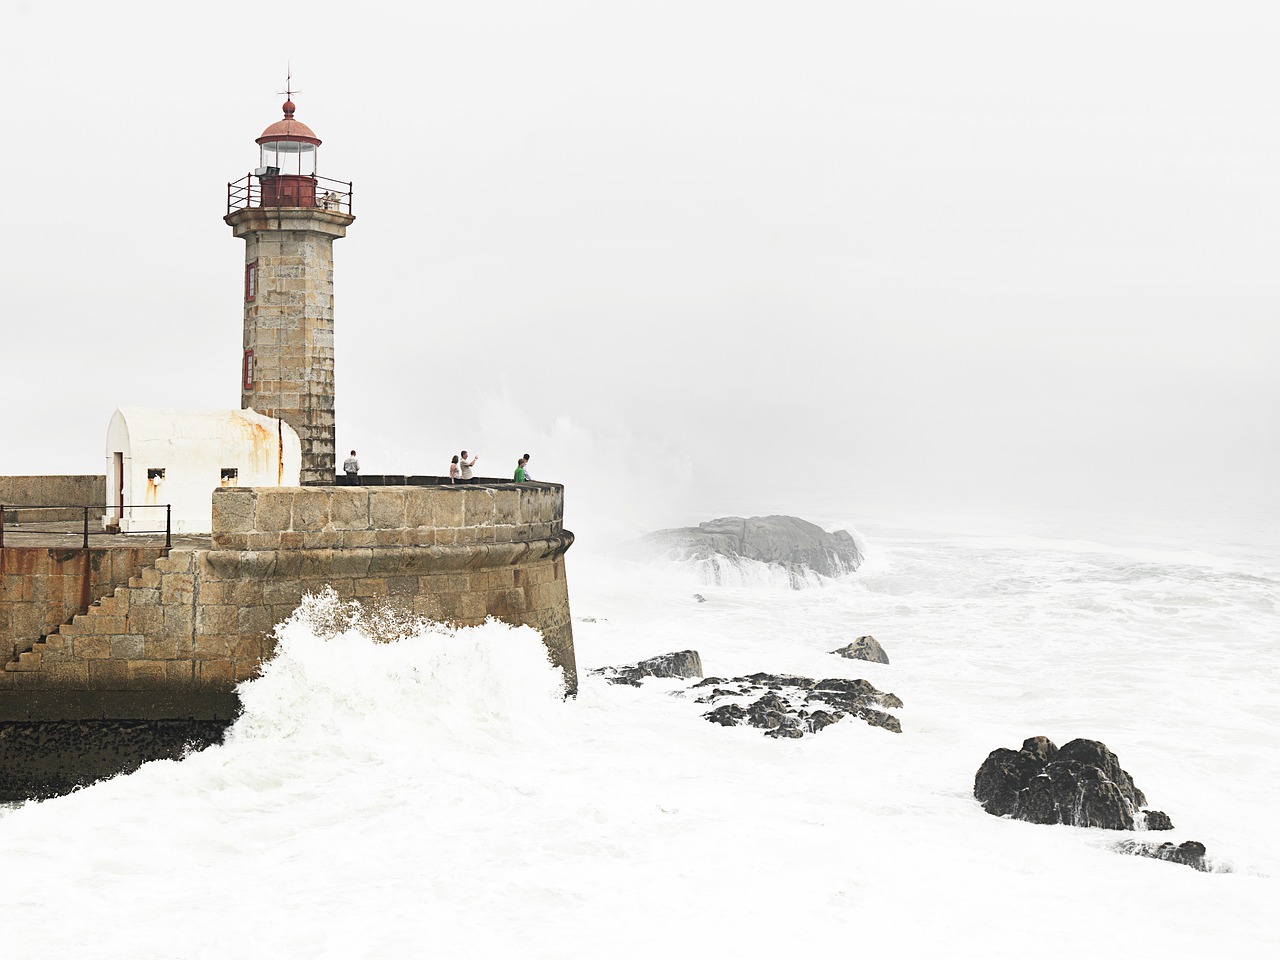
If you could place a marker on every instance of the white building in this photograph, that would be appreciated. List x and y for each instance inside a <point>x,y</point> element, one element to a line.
<point>178,457</point>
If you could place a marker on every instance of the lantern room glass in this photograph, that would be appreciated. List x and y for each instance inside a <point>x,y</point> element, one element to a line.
<point>291,156</point>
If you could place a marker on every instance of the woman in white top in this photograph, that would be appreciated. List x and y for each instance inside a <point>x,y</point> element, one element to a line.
<point>453,469</point>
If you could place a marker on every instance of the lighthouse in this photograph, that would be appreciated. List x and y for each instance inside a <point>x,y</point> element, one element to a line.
<point>289,217</point>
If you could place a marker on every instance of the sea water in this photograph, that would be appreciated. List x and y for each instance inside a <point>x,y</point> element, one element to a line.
<point>437,797</point>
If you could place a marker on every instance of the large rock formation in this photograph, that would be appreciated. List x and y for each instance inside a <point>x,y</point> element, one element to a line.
<point>1081,784</point>
<point>797,546</point>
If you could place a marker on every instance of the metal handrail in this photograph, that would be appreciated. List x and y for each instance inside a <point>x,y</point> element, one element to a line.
<point>419,480</point>
<point>15,510</point>
<point>328,194</point>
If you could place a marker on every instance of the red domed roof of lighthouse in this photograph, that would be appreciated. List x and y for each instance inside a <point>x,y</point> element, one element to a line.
<point>289,128</point>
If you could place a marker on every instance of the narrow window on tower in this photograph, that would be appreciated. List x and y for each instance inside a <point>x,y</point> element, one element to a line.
<point>250,280</point>
<point>247,370</point>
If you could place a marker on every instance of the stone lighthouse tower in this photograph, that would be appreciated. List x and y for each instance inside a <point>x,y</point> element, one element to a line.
<point>289,218</point>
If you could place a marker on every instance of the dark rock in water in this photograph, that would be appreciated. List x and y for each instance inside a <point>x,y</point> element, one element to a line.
<point>1091,753</point>
<point>790,706</point>
<point>1081,784</point>
<point>1002,777</point>
<point>864,648</point>
<point>727,715</point>
<point>878,718</point>
<point>797,546</point>
<point>769,713</point>
<point>700,598</point>
<point>851,694</point>
<point>685,663</point>
<point>1157,820</point>
<point>1191,853</point>
<point>789,730</point>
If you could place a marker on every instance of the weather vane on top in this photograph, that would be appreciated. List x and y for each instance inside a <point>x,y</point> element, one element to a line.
<point>288,90</point>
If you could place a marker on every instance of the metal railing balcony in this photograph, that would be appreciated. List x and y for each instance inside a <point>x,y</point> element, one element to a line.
<point>288,190</point>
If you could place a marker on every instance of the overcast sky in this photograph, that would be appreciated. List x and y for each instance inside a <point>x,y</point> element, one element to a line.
<point>970,254</point>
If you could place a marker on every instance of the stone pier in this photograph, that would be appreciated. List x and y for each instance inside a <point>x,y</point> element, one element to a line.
<point>171,643</point>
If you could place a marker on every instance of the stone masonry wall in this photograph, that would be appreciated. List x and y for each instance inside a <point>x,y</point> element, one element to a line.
<point>181,634</point>
<point>42,588</point>
<point>55,490</point>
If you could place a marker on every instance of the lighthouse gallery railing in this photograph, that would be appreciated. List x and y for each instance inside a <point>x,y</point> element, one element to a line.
<point>321,193</point>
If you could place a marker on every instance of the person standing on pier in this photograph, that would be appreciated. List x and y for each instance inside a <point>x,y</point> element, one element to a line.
<point>466,466</point>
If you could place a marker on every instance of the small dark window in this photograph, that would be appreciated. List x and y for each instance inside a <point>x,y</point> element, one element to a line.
<point>155,474</point>
<point>250,280</point>
<point>229,476</point>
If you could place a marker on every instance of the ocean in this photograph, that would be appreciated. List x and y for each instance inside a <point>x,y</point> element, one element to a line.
<point>436,796</point>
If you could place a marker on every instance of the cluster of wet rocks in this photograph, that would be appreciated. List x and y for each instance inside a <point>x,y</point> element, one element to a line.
<point>782,705</point>
<point>1079,784</point>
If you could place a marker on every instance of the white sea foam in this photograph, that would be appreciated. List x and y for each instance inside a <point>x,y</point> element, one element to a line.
<point>435,796</point>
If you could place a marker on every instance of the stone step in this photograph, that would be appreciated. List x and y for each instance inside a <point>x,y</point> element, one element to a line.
<point>54,642</point>
<point>30,660</point>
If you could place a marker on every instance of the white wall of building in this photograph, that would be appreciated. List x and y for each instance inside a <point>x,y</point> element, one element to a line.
<point>193,448</point>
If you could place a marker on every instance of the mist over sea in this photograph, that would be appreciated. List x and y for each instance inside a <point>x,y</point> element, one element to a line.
<point>436,797</point>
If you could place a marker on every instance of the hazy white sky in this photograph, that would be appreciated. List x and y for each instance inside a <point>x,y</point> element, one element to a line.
<point>946,253</point>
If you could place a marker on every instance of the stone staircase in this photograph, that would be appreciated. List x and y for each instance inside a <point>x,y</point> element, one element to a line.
<point>106,616</point>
